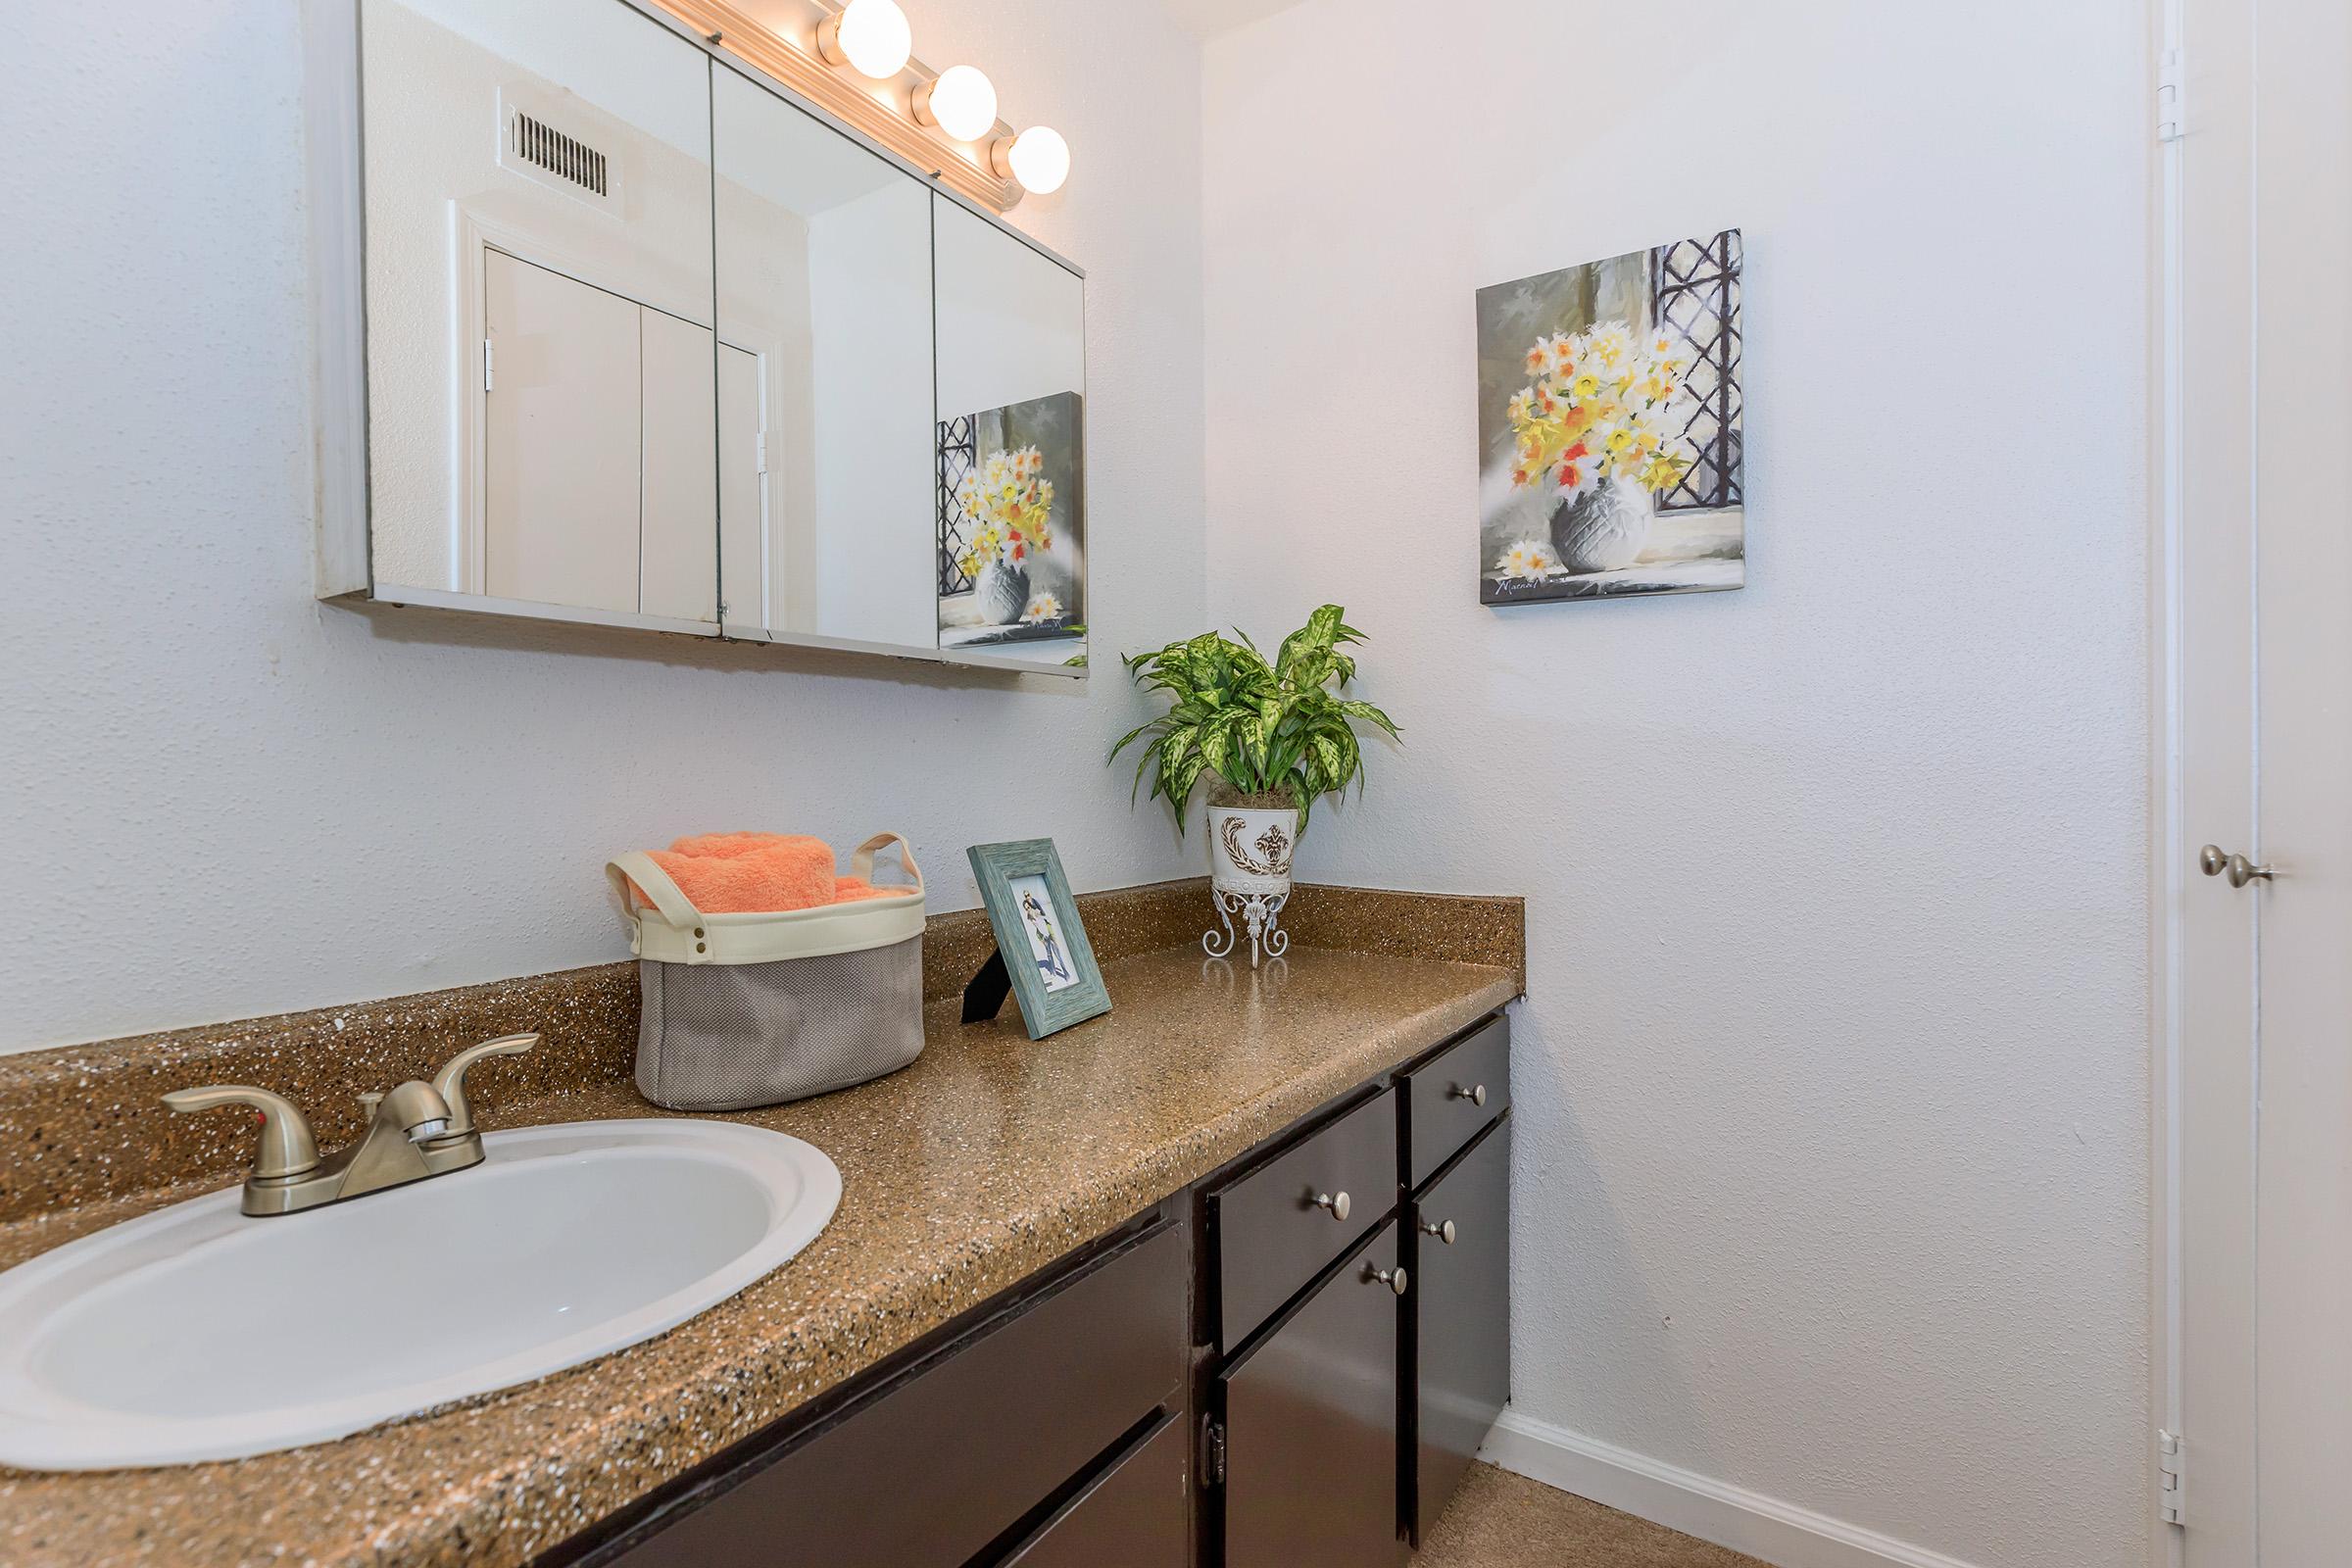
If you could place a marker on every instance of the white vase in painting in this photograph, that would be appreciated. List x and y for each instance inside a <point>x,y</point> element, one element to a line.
<point>1004,593</point>
<point>1604,528</point>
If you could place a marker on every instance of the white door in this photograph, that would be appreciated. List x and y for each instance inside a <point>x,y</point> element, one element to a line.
<point>560,429</point>
<point>2262,225</point>
<point>678,547</point>
<point>744,441</point>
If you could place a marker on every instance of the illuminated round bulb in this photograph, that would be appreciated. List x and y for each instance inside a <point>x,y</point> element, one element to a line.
<point>962,102</point>
<point>1037,157</point>
<point>870,35</point>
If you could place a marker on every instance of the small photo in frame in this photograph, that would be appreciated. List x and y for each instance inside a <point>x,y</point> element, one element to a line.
<point>1046,956</point>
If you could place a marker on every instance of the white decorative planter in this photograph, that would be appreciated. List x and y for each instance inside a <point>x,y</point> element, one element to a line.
<point>1250,852</point>
<point>1604,528</point>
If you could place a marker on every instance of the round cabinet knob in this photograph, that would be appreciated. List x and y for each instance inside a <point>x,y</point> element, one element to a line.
<point>2213,862</point>
<point>1443,1231</point>
<point>1338,1203</point>
<point>1393,1278</point>
<point>1477,1096</point>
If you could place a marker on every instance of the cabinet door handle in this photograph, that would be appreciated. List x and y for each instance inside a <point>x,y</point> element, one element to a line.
<point>1393,1278</point>
<point>1477,1095</point>
<point>1443,1231</point>
<point>1338,1203</point>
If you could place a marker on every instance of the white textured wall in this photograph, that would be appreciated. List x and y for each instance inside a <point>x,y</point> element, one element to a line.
<point>1831,1161</point>
<point>224,799</point>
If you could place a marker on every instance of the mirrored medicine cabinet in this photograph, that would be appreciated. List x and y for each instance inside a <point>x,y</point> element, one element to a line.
<point>619,329</point>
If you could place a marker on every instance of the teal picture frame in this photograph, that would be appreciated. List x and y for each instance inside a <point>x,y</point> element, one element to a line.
<point>1046,956</point>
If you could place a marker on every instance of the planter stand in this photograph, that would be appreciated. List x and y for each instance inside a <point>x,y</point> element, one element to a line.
<point>1260,914</point>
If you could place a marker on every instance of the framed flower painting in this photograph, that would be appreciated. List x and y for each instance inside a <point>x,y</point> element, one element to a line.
<point>1012,531</point>
<point>1609,427</point>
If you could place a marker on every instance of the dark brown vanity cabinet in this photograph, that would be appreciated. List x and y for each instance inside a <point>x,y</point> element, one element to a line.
<point>1288,1365</point>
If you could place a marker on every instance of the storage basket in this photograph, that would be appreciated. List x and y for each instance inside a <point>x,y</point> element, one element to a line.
<point>754,1009</point>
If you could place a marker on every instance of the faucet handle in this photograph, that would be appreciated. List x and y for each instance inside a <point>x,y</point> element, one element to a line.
<point>451,1079</point>
<point>287,1147</point>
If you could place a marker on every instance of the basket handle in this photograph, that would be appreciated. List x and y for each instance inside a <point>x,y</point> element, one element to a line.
<point>646,872</point>
<point>862,864</point>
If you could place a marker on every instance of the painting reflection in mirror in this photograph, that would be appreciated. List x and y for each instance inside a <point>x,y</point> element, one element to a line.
<point>1012,531</point>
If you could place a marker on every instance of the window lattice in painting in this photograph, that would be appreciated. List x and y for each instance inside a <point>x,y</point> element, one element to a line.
<point>956,455</point>
<point>1696,285</point>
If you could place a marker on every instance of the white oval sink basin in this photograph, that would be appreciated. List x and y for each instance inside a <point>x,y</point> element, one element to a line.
<point>197,1333</point>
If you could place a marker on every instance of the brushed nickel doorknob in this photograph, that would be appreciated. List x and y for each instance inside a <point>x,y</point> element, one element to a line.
<point>1443,1231</point>
<point>1338,1203</point>
<point>2240,871</point>
<point>1393,1278</point>
<point>1475,1096</point>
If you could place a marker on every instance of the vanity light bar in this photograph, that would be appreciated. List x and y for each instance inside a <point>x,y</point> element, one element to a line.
<point>856,62</point>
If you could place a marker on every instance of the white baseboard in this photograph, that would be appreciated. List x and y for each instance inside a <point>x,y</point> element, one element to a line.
<point>1778,1532</point>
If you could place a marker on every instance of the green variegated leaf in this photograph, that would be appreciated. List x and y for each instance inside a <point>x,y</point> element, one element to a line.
<point>1217,747</point>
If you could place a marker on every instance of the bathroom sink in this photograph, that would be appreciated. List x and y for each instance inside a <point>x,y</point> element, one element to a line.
<point>198,1333</point>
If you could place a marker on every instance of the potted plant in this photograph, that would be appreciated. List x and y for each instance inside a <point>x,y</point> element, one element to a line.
<point>1594,424</point>
<point>1270,737</point>
<point>1011,500</point>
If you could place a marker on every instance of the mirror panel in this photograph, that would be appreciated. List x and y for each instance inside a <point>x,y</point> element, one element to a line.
<point>1010,448</point>
<point>824,312</point>
<point>540,345</point>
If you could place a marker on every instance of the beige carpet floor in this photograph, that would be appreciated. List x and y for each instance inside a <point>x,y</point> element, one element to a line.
<point>1500,1520</point>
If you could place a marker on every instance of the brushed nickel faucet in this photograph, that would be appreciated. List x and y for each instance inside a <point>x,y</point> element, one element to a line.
<point>413,1131</point>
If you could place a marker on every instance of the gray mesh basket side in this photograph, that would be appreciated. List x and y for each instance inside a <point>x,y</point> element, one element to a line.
<point>727,1037</point>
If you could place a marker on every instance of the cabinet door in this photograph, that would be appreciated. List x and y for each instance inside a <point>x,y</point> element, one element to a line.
<point>1310,1427</point>
<point>1463,1318</point>
<point>1134,1514</point>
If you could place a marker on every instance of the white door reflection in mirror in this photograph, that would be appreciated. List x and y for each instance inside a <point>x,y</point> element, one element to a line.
<point>540,377</point>
<point>560,424</point>
<point>1010,448</point>
<point>824,309</point>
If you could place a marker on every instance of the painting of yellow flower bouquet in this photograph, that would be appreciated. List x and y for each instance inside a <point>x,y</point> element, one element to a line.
<point>1610,427</point>
<point>1011,503</point>
<point>1011,532</point>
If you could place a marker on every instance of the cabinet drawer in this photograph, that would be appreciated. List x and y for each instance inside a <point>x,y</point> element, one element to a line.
<point>1455,1093</point>
<point>1271,1234</point>
<point>1136,1514</point>
<point>1310,1427</point>
<point>950,1456</point>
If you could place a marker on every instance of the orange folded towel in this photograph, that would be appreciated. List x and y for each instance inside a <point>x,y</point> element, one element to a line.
<point>743,873</point>
<point>733,873</point>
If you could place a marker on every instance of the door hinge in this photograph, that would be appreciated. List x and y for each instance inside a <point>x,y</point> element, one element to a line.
<point>489,363</point>
<point>2170,84</point>
<point>2171,1465</point>
<point>764,452</point>
<point>1213,1453</point>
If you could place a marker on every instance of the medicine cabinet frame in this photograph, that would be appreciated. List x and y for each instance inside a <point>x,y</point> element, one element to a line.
<point>335,160</point>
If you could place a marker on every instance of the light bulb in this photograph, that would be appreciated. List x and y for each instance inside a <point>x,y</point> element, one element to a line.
<point>962,102</point>
<point>1037,157</point>
<point>871,36</point>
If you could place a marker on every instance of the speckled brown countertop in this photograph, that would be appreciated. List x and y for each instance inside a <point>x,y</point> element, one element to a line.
<point>988,1159</point>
